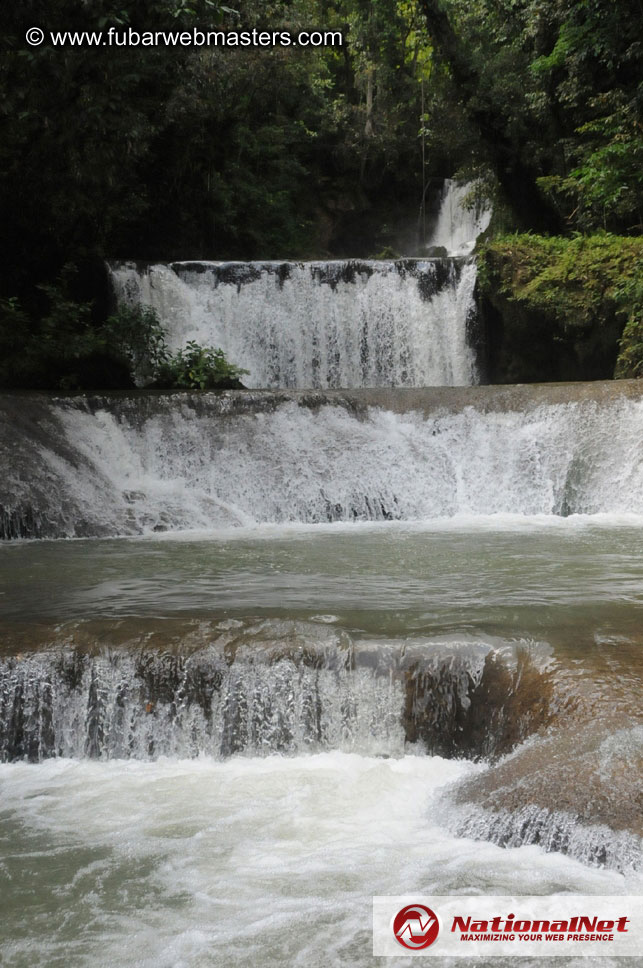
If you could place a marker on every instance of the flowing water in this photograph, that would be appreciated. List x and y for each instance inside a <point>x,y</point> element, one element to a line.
<point>217,748</point>
<point>461,218</point>
<point>319,324</point>
<point>349,323</point>
<point>119,465</point>
<point>414,665</point>
<point>303,645</point>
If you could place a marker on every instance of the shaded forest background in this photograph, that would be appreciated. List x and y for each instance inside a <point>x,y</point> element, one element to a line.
<point>240,153</point>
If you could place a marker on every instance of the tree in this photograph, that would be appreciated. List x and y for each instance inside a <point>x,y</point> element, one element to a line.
<point>554,92</point>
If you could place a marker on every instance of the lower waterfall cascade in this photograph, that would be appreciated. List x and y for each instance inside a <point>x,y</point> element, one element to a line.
<point>245,692</point>
<point>285,666</point>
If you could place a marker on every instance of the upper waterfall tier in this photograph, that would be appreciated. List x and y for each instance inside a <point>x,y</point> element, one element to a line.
<point>319,324</point>
<point>82,466</point>
<point>461,218</point>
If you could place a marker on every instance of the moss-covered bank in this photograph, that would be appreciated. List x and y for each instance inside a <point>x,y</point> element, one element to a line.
<point>562,309</point>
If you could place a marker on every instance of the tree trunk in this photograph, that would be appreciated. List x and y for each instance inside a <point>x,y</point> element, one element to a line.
<point>368,126</point>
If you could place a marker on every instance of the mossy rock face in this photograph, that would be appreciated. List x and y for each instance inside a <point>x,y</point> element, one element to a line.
<point>562,309</point>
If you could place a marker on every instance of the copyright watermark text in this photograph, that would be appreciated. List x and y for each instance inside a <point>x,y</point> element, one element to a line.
<point>128,37</point>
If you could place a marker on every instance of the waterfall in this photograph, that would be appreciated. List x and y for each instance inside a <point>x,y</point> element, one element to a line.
<point>319,324</point>
<point>460,220</point>
<point>123,465</point>
<point>348,323</point>
<point>148,705</point>
<point>553,830</point>
<point>303,688</point>
<point>361,406</point>
<point>275,687</point>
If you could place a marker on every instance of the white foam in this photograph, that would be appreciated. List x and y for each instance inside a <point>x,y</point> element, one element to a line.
<point>182,470</point>
<point>271,862</point>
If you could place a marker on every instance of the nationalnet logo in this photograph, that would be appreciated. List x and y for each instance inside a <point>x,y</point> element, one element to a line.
<point>416,926</point>
<point>560,925</point>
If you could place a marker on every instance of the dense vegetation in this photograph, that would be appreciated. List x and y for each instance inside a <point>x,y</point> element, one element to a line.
<point>173,152</point>
<point>558,306</point>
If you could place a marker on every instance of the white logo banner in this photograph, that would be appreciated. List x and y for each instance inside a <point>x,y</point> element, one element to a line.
<point>557,925</point>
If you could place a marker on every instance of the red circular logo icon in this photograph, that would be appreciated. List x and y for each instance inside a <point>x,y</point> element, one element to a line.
<point>416,926</point>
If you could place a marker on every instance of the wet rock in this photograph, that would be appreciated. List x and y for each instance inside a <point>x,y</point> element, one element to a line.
<point>590,773</point>
<point>456,709</point>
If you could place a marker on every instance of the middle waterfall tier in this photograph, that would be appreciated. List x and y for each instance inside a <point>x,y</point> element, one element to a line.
<point>320,324</point>
<point>118,465</point>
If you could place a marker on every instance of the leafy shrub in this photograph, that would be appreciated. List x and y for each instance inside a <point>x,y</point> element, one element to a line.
<point>198,368</point>
<point>135,334</point>
<point>64,349</point>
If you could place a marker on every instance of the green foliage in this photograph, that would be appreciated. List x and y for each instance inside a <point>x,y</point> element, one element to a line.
<point>583,286</point>
<point>629,294</point>
<point>55,350</point>
<point>198,368</point>
<point>387,253</point>
<point>66,329</point>
<point>606,187</point>
<point>162,153</point>
<point>15,326</point>
<point>569,278</point>
<point>65,350</point>
<point>554,90</point>
<point>135,335</point>
<point>591,82</point>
